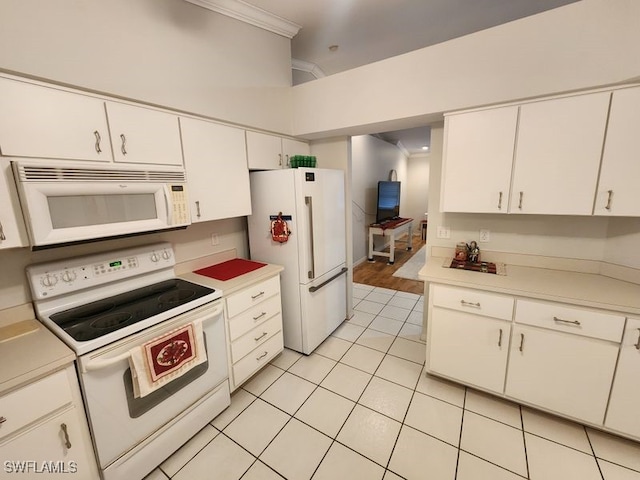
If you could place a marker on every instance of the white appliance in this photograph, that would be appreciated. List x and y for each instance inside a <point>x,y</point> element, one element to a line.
<point>68,202</point>
<point>314,285</point>
<point>107,304</point>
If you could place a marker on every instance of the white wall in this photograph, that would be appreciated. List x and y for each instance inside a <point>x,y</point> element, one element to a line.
<point>166,52</point>
<point>581,45</point>
<point>623,242</point>
<point>372,160</point>
<point>418,172</point>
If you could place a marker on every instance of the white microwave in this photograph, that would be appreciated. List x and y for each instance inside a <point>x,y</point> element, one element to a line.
<point>71,202</point>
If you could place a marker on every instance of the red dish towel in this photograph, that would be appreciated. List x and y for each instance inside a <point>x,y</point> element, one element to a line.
<point>230,269</point>
<point>165,358</point>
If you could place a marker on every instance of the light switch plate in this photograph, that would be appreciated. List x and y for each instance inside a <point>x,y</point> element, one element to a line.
<point>443,232</point>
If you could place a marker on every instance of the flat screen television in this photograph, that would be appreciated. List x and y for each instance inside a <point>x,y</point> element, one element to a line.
<point>388,205</point>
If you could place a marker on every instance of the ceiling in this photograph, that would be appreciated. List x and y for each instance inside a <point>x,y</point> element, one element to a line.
<point>365,31</point>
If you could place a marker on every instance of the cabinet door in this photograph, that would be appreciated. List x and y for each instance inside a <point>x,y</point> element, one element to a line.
<point>12,229</point>
<point>264,152</point>
<point>468,348</point>
<point>217,174</point>
<point>478,155</point>
<point>558,151</point>
<point>46,445</point>
<point>622,414</point>
<point>618,192</point>
<point>293,147</point>
<point>142,135</point>
<point>47,123</point>
<point>565,373</point>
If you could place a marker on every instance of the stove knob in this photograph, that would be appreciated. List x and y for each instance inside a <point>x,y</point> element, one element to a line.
<point>69,276</point>
<point>154,257</point>
<point>166,254</point>
<point>49,280</point>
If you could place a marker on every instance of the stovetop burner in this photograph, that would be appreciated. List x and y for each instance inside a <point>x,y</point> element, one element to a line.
<point>101,317</point>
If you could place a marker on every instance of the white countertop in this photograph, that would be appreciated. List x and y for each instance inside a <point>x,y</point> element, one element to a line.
<point>235,284</point>
<point>585,289</point>
<point>32,355</point>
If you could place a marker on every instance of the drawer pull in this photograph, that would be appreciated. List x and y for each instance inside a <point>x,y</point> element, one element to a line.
<point>261,336</point>
<point>571,322</point>
<point>469,304</point>
<point>521,347</point>
<point>610,194</point>
<point>500,339</point>
<point>3,419</point>
<point>255,319</point>
<point>637,345</point>
<point>67,443</point>
<point>262,356</point>
<point>258,295</point>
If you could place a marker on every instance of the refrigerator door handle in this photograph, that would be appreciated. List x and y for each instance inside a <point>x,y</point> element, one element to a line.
<point>309,202</point>
<point>318,287</point>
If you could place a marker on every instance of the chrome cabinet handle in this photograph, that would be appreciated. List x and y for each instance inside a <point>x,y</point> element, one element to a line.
<point>262,356</point>
<point>255,319</point>
<point>520,203</point>
<point>2,235</point>
<point>98,139</point>
<point>500,339</point>
<point>637,344</point>
<point>253,297</point>
<point>469,304</point>
<point>500,201</point>
<point>608,206</point>
<point>280,159</point>
<point>521,347</point>
<point>261,336</point>
<point>571,322</point>
<point>311,273</point>
<point>287,157</point>
<point>198,208</point>
<point>123,147</point>
<point>67,443</point>
<point>3,419</point>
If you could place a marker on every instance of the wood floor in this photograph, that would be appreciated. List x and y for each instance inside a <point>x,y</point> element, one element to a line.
<point>380,274</point>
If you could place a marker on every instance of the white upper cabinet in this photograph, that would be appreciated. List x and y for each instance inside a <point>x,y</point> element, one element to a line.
<point>217,174</point>
<point>43,122</point>
<point>558,151</point>
<point>618,192</point>
<point>143,135</point>
<point>478,155</point>
<point>270,152</point>
<point>12,228</point>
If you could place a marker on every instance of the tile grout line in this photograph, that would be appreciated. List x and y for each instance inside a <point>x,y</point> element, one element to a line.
<point>594,452</point>
<point>524,442</point>
<point>464,403</point>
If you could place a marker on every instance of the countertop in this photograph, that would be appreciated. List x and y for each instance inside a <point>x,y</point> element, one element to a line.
<point>583,289</point>
<point>32,355</point>
<point>228,287</point>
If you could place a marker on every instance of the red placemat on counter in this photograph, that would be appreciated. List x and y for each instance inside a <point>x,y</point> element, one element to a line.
<point>230,269</point>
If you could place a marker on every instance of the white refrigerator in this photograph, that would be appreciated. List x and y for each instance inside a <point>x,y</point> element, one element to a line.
<point>314,280</point>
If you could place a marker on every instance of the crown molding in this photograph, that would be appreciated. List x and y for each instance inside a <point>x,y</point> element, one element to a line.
<point>308,67</point>
<point>252,15</point>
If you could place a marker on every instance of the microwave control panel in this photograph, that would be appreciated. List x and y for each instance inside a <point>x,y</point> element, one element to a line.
<point>180,205</point>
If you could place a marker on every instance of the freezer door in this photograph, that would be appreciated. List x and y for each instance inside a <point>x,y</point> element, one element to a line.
<point>321,221</point>
<point>324,307</point>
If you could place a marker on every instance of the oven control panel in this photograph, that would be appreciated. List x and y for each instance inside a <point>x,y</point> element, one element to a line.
<point>71,275</point>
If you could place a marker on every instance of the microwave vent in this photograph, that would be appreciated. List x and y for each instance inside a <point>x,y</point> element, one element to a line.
<point>40,173</point>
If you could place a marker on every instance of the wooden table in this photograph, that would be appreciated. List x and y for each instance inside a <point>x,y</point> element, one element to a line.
<point>392,229</point>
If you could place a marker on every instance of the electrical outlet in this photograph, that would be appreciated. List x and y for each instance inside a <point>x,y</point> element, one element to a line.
<point>485,235</point>
<point>443,232</point>
<point>214,239</point>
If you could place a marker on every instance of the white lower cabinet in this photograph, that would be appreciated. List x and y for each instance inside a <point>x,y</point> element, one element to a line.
<point>43,430</point>
<point>622,414</point>
<point>254,328</point>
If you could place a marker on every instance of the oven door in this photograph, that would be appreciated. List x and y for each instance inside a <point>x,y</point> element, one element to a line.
<point>66,204</point>
<point>119,421</point>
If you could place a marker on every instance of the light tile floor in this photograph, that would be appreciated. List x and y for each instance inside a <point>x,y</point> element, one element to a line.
<point>361,407</point>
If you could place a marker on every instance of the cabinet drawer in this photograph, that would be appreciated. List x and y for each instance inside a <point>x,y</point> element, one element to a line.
<point>257,314</point>
<point>256,337</point>
<point>472,301</point>
<point>257,359</point>
<point>566,318</point>
<point>34,401</point>
<point>252,295</point>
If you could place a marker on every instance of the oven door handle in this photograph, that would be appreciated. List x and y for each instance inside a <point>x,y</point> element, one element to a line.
<point>93,365</point>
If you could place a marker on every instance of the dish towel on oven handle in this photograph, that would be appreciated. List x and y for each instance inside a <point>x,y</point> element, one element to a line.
<point>166,358</point>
